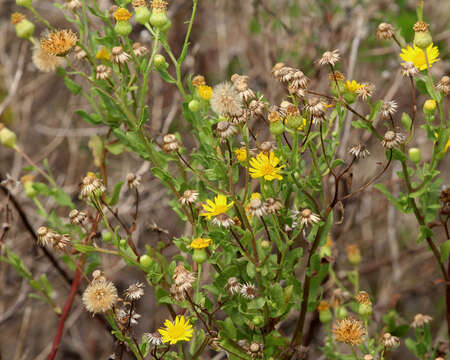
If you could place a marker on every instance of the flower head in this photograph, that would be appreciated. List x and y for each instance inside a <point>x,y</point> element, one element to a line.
<point>134,291</point>
<point>363,298</point>
<point>119,56</point>
<point>205,91</point>
<point>388,108</point>
<point>352,86</point>
<point>179,330</point>
<point>102,54</point>
<point>103,72</point>
<point>91,185</point>
<point>272,205</point>
<point>154,338</point>
<point>365,91</point>
<point>189,197</point>
<point>225,100</point>
<point>100,295</point>
<point>349,331</point>
<point>265,166</point>
<point>257,207</point>
<point>444,85</point>
<point>122,14</point>
<point>183,278</point>
<point>385,31</point>
<point>45,61</point>
<point>409,69</point>
<point>307,217</point>
<point>219,206</point>
<point>46,236</point>
<point>73,5</point>
<point>77,217</point>
<point>392,139</point>
<point>329,57</point>
<point>139,49</point>
<point>249,291</point>
<point>420,320</point>
<point>233,285</point>
<point>389,341</point>
<point>225,129</point>
<point>133,180</point>
<point>200,243</point>
<point>241,154</point>
<point>359,151</point>
<point>223,220</point>
<point>60,42</point>
<point>170,143</point>
<point>198,80</point>
<point>417,56</point>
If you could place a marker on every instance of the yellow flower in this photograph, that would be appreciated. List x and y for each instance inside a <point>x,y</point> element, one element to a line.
<point>352,86</point>
<point>219,206</point>
<point>447,145</point>
<point>302,125</point>
<point>265,166</point>
<point>417,56</point>
<point>102,54</point>
<point>60,42</point>
<point>200,243</point>
<point>241,154</point>
<point>180,330</point>
<point>122,14</point>
<point>205,92</point>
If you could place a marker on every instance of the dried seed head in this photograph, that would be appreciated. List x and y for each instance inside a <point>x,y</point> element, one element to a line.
<point>198,80</point>
<point>390,341</point>
<point>272,205</point>
<point>73,5</point>
<point>183,278</point>
<point>223,220</point>
<point>133,180</point>
<point>359,151</point>
<point>385,31</point>
<point>363,298</point>
<point>249,291</point>
<point>409,69</point>
<point>241,118</point>
<point>46,236</point>
<point>170,143</point>
<point>255,347</point>
<point>154,338</point>
<point>233,286</point>
<point>91,185</point>
<point>44,61</point>
<point>103,72</point>
<point>329,57</point>
<point>388,108</point>
<point>225,100</point>
<point>189,197</point>
<point>368,357</point>
<point>80,54</point>
<point>349,331</point>
<point>139,49</point>
<point>444,85</point>
<point>257,107</point>
<point>17,18</point>
<point>257,208</point>
<point>77,217</point>
<point>60,42</point>
<point>420,320</point>
<point>124,318</point>
<point>134,291</point>
<point>100,295</point>
<point>420,26</point>
<point>365,91</point>
<point>119,56</point>
<point>316,107</point>
<point>225,129</point>
<point>139,3</point>
<point>336,76</point>
<point>392,139</point>
<point>307,217</point>
<point>97,274</point>
<point>283,73</point>
<point>266,147</point>
<point>274,117</point>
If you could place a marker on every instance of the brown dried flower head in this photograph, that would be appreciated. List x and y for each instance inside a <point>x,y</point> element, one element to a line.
<point>359,151</point>
<point>385,31</point>
<point>392,139</point>
<point>80,54</point>
<point>91,185</point>
<point>420,26</point>
<point>249,291</point>
<point>329,58</point>
<point>336,76</point>
<point>349,331</point>
<point>225,129</point>
<point>257,208</point>
<point>133,180</point>
<point>233,286</point>
<point>272,205</point>
<point>134,291</point>
<point>103,72</point>
<point>154,338</point>
<point>365,91</point>
<point>409,69</point>
<point>363,298</point>
<point>223,220</point>
<point>100,295</point>
<point>170,143</point>
<point>389,341</point>
<point>46,236</point>
<point>189,197</point>
<point>73,5</point>
<point>119,56</point>
<point>139,50</point>
<point>139,3</point>
<point>420,320</point>
<point>77,217</point>
<point>17,17</point>
<point>198,80</point>
<point>59,42</point>
<point>183,278</point>
<point>444,85</point>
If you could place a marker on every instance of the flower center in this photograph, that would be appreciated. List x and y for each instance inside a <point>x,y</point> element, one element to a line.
<point>176,332</point>
<point>267,169</point>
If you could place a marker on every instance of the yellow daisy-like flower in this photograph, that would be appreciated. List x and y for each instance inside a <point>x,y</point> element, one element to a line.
<point>265,166</point>
<point>103,54</point>
<point>417,56</point>
<point>205,92</point>
<point>60,42</point>
<point>180,330</point>
<point>200,243</point>
<point>302,125</point>
<point>241,154</point>
<point>122,14</point>
<point>219,206</point>
<point>352,86</point>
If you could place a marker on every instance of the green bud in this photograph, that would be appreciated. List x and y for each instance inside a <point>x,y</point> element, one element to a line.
<point>7,137</point>
<point>142,15</point>
<point>159,61</point>
<point>258,320</point>
<point>406,122</point>
<point>29,189</point>
<point>25,3</point>
<point>365,310</point>
<point>123,242</point>
<point>194,105</point>
<point>158,19</point>
<point>107,236</point>
<point>123,28</point>
<point>24,29</point>
<point>146,261</point>
<point>341,312</point>
<point>414,155</point>
<point>293,121</point>
<point>423,39</point>
<point>277,127</point>
<point>167,26</point>
<point>199,256</point>
<point>325,316</point>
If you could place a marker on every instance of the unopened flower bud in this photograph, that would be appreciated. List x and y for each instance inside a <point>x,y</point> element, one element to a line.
<point>24,29</point>
<point>123,28</point>
<point>277,128</point>
<point>25,3</point>
<point>429,107</point>
<point>422,36</point>
<point>365,310</point>
<point>199,256</point>
<point>194,105</point>
<point>27,182</point>
<point>158,19</point>
<point>146,261</point>
<point>142,15</point>
<point>7,137</point>
<point>414,155</point>
<point>159,61</point>
<point>341,312</point>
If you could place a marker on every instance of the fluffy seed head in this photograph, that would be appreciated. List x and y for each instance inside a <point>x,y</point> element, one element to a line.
<point>60,42</point>
<point>349,331</point>
<point>44,61</point>
<point>99,296</point>
<point>225,100</point>
<point>189,197</point>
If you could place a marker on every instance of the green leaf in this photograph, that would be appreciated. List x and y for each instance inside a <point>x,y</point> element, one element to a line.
<point>424,232</point>
<point>84,248</point>
<point>165,177</point>
<point>90,118</point>
<point>116,192</point>
<point>73,87</point>
<point>396,202</point>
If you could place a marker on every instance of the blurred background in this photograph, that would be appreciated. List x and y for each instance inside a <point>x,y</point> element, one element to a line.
<point>233,36</point>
